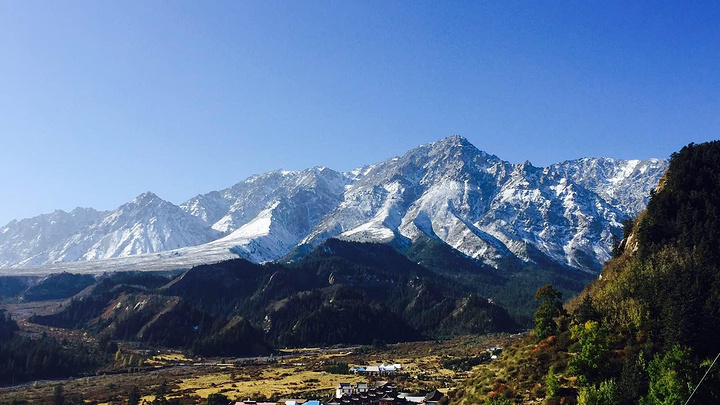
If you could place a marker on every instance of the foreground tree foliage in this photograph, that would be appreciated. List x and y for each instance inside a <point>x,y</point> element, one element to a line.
<point>604,393</point>
<point>671,377</point>
<point>134,396</point>
<point>217,399</point>
<point>552,384</point>
<point>590,361</point>
<point>658,304</point>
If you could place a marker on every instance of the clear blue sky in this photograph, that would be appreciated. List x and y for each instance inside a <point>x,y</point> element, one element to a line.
<point>103,100</point>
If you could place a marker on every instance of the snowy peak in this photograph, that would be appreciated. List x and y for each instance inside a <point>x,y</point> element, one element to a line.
<point>490,209</point>
<point>319,189</point>
<point>208,207</point>
<point>146,198</point>
<point>453,157</point>
<point>29,237</point>
<point>383,205</point>
<point>147,203</point>
<point>453,147</point>
<point>146,224</point>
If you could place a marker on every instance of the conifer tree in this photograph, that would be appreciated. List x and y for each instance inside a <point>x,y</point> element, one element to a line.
<point>549,309</point>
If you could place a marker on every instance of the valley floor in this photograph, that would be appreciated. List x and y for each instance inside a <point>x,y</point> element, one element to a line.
<point>298,373</point>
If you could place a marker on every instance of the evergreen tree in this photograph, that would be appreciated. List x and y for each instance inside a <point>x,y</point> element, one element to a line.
<point>160,393</point>
<point>586,311</point>
<point>552,384</point>
<point>550,308</point>
<point>603,394</point>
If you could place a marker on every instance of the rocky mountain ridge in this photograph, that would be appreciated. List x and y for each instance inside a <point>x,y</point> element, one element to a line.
<point>486,208</point>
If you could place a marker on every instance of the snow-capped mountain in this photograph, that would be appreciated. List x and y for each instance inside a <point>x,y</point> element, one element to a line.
<point>399,199</point>
<point>266,216</point>
<point>26,238</point>
<point>484,207</point>
<point>537,214</point>
<point>318,190</point>
<point>144,225</point>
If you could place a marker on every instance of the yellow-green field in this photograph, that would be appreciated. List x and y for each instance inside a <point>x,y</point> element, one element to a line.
<point>272,382</point>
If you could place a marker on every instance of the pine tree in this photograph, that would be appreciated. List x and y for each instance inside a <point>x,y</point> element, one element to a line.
<point>549,309</point>
<point>586,311</point>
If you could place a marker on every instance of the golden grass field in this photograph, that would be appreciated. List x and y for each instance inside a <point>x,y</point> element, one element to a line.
<point>271,383</point>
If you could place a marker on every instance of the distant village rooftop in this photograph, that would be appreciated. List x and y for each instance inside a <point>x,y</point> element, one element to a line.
<point>382,369</point>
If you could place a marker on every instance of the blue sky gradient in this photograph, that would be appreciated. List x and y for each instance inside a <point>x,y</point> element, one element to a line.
<point>100,101</point>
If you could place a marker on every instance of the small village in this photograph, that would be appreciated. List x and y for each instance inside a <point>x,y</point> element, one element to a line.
<point>378,393</point>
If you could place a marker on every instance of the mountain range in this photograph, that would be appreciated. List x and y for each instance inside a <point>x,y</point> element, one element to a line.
<point>567,214</point>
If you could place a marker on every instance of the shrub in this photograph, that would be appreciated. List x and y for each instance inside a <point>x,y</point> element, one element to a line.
<point>552,384</point>
<point>604,394</point>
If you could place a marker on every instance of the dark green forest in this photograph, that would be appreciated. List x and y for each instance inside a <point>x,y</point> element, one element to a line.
<point>25,358</point>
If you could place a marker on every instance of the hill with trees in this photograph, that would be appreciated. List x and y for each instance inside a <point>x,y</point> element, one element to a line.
<point>25,358</point>
<point>340,293</point>
<point>646,330</point>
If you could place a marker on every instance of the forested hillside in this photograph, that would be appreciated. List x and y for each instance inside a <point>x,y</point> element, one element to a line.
<point>512,288</point>
<point>647,329</point>
<point>340,293</point>
<point>44,357</point>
